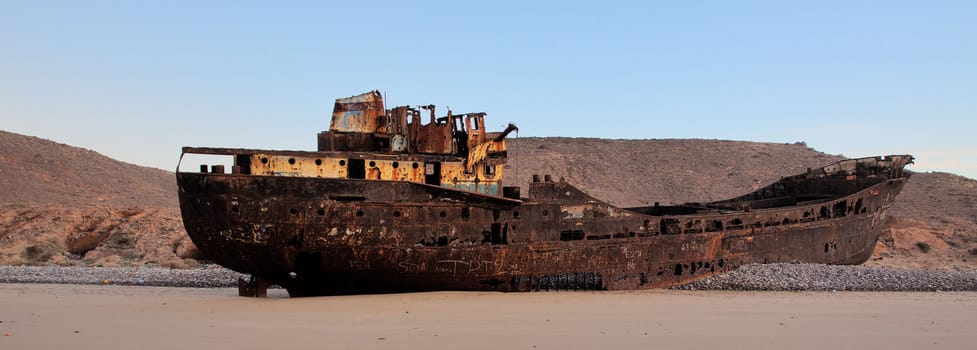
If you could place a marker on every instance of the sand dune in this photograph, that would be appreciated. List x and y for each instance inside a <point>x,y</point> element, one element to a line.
<point>116,317</point>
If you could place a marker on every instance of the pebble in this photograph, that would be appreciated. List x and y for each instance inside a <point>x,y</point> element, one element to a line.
<point>776,277</point>
<point>208,276</point>
<point>819,277</point>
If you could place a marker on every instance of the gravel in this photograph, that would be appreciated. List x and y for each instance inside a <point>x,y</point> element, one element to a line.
<point>816,277</point>
<point>208,276</point>
<point>781,277</point>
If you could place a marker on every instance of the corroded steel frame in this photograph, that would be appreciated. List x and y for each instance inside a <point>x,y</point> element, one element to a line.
<point>318,236</point>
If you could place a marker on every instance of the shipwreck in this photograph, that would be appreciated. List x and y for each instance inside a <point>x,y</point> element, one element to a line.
<point>391,203</point>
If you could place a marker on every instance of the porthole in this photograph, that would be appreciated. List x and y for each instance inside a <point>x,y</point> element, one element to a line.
<point>414,165</point>
<point>320,212</point>
<point>359,213</point>
<point>342,163</point>
<point>546,212</point>
<point>318,162</point>
<point>293,211</point>
<point>443,214</point>
<point>395,165</point>
<point>515,214</point>
<point>373,164</point>
<point>396,213</point>
<point>291,161</point>
<point>264,160</point>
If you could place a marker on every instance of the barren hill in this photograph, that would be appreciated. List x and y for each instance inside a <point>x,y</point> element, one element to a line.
<point>70,206</point>
<point>933,224</point>
<point>641,172</point>
<point>35,171</point>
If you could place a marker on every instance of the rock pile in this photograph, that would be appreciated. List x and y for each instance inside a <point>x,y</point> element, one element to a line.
<point>816,277</point>
<point>208,276</point>
<point>781,277</point>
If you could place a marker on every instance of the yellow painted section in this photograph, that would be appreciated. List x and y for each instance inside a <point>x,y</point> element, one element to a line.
<point>275,165</point>
<point>395,170</point>
<point>479,153</point>
<point>483,178</point>
<point>455,176</point>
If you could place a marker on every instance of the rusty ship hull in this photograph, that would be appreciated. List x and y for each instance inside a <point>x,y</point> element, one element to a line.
<point>391,203</point>
<point>316,236</point>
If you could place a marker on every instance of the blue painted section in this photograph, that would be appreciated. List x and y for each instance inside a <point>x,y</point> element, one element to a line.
<point>352,120</point>
<point>484,188</point>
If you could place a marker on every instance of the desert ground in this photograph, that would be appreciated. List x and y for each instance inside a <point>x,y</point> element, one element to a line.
<point>51,316</point>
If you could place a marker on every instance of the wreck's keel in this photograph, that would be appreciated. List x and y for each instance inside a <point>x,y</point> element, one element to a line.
<point>255,286</point>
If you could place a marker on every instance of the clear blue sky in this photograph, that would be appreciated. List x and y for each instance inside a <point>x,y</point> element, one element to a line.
<point>136,80</point>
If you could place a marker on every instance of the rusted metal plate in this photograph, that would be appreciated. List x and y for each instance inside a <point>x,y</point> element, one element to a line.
<point>358,113</point>
<point>433,138</point>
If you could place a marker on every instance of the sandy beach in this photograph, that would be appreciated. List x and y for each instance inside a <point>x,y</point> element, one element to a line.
<point>50,316</point>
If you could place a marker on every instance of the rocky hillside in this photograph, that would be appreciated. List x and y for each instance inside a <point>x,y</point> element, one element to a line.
<point>70,206</point>
<point>933,224</point>
<point>642,172</point>
<point>35,171</point>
